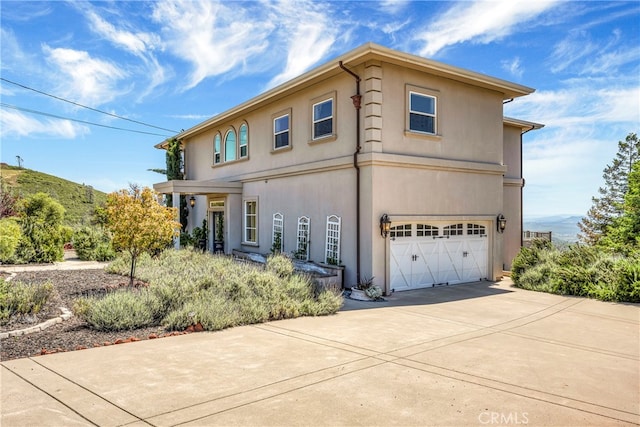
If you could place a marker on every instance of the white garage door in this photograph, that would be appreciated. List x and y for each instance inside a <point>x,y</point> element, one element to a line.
<point>429,254</point>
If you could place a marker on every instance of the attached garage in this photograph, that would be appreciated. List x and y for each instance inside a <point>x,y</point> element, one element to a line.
<point>438,253</point>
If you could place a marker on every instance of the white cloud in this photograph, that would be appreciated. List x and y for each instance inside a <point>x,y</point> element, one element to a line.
<point>15,124</point>
<point>308,34</point>
<point>137,43</point>
<point>211,36</point>
<point>82,78</point>
<point>584,120</point>
<point>513,66</point>
<point>481,21</point>
<point>393,6</point>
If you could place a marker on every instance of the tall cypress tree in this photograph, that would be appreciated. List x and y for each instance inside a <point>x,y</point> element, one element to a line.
<point>610,203</point>
<point>175,172</point>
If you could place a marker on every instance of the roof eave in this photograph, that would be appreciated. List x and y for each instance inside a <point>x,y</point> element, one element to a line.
<point>367,51</point>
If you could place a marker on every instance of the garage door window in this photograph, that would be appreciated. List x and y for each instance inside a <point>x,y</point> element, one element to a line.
<point>476,230</point>
<point>424,230</point>
<point>454,230</point>
<point>400,231</point>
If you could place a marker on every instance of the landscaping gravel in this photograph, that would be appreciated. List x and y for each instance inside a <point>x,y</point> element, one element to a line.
<point>72,334</point>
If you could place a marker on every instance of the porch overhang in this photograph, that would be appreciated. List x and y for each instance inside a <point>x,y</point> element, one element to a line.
<point>198,187</point>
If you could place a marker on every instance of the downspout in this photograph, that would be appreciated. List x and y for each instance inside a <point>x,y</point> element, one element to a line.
<point>357,101</point>
<point>522,188</point>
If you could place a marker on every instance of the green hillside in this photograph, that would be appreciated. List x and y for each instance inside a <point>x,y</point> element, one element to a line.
<point>79,200</point>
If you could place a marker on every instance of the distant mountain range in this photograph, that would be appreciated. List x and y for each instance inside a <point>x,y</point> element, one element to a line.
<point>562,227</point>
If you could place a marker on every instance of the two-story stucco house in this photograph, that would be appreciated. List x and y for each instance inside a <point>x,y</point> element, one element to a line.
<point>395,166</point>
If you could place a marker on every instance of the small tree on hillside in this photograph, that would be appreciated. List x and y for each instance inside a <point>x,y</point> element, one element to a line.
<point>609,205</point>
<point>139,223</point>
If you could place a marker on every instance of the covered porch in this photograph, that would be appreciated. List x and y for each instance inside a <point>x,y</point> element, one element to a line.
<point>218,202</point>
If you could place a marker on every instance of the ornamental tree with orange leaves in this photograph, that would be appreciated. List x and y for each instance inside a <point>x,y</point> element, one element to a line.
<point>139,223</point>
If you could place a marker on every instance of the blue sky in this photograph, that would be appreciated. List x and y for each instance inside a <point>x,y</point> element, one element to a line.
<point>173,64</point>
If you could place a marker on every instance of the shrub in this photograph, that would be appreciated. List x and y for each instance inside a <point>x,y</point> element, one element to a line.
<point>188,287</point>
<point>280,265</point>
<point>19,298</point>
<point>121,310</point>
<point>10,234</point>
<point>43,235</point>
<point>92,244</point>
<point>579,270</point>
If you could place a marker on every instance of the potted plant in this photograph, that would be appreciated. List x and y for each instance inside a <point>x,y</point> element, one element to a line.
<point>365,290</point>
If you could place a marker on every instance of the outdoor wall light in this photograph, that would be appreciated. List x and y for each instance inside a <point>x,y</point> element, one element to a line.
<point>502,223</point>
<point>385,225</point>
<point>192,201</point>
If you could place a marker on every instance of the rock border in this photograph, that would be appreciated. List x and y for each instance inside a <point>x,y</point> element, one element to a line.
<point>66,315</point>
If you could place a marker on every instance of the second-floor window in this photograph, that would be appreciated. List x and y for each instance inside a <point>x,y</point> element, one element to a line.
<point>243,135</point>
<point>422,113</point>
<point>216,149</point>
<point>323,119</point>
<point>281,131</point>
<point>230,146</point>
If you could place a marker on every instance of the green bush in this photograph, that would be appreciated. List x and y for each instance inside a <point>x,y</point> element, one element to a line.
<point>43,236</point>
<point>120,310</point>
<point>188,287</point>
<point>10,234</point>
<point>579,270</point>
<point>280,265</point>
<point>20,298</point>
<point>92,244</point>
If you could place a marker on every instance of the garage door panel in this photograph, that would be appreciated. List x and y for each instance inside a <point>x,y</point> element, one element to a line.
<point>401,252</point>
<point>419,261</point>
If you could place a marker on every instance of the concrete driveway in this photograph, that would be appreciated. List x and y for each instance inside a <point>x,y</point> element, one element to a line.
<point>477,354</point>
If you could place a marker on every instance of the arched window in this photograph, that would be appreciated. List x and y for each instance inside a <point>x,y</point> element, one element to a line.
<point>302,249</point>
<point>277,240</point>
<point>230,146</point>
<point>332,250</point>
<point>216,150</point>
<point>243,134</point>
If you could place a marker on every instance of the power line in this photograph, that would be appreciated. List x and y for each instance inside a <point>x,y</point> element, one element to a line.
<point>76,120</point>
<point>84,106</point>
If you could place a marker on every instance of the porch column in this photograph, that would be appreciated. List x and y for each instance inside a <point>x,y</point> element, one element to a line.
<point>176,204</point>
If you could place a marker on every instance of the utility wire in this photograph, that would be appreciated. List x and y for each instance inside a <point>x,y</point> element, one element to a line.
<point>76,120</point>
<point>84,106</point>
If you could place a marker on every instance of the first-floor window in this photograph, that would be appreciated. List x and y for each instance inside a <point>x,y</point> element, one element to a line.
<point>302,248</point>
<point>251,221</point>
<point>277,239</point>
<point>332,250</point>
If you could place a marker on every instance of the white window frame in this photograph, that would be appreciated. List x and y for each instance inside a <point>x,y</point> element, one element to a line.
<point>433,115</point>
<point>302,238</point>
<point>235,145</point>
<point>315,120</point>
<point>287,131</point>
<point>217,155</point>
<point>246,142</point>
<point>278,227</point>
<point>332,249</point>
<point>246,226</point>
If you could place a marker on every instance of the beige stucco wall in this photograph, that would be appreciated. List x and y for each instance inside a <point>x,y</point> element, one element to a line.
<point>457,174</point>
<point>513,185</point>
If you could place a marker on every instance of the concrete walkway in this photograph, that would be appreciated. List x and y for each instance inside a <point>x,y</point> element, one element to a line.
<point>477,354</point>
